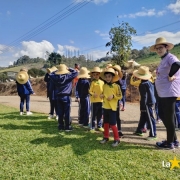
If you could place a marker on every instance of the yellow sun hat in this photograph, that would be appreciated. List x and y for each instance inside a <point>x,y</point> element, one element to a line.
<point>22,77</point>
<point>142,73</point>
<point>83,73</point>
<point>62,69</point>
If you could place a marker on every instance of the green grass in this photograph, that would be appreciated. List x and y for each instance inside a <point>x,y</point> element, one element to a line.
<point>32,148</point>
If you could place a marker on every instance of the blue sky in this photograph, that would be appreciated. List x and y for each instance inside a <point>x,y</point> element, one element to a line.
<point>85,30</point>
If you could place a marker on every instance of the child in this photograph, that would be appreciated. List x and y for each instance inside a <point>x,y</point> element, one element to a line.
<point>61,86</point>
<point>147,101</point>
<point>111,94</point>
<point>95,91</point>
<point>24,90</point>
<point>53,105</point>
<point>82,92</point>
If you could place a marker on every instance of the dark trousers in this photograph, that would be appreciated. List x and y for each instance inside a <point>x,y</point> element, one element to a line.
<point>109,116</point>
<point>123,97</point>
<point>147,117</point>
<point>166,109</point>
<point>156,111</point>
<point>96,113</point>
<point>177,117</point>
<point>24,97</point>
<point>118,118</point>
<point>84,109</point>
<point>53,106</point>
<point>63,108</point>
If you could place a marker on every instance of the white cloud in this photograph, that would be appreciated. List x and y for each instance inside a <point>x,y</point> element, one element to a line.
<point>94,1</point>
<point>62,49</point>
<point>8,13</point>
<point>35,49</point>
<point>175,8</point>
<point>97,54</point>
<point>10,63</point>
<point>104,36</point>
<point>71,41</point>
<point>149,39</point>
<point>144,12</point>
<point>97,31</point>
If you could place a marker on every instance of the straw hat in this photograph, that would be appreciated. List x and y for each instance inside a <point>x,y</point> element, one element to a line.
<point>161,40</point>
<point>62,69</point>
<point>110,70</point>
<point>50,70</point>
<point>24,69</point>
<point>108,65</point>
<point>83,73</point>
<point>118,69</point>
<point>22,77</point>
<point>143,73</point>
<point>95,69</point>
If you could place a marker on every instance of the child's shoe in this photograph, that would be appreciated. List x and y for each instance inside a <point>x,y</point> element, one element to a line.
<point>123,109</point>
<point>165,145</point>
<point>50,116</point>
<point>101,129</point>
<point>104,140</point>
<point>144,130</point>
<point>68,129</point>
<point>86,127</point>
<point>177,129</point>
<point>57,117</point>
<point>115,143</point>
<point>158,121</point>
<point>151,138</point>
<point>176,144</point>
<point>138,133</point>
<point>120,134</point>
<point>21,113</point>
<point>29,113</point>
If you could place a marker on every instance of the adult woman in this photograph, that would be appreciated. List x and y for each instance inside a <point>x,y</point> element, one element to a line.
<point>167,84</point>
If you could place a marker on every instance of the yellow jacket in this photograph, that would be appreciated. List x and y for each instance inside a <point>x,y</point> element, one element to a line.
<point>178,98</point>
<point>96,87</point>
<point>137,82</point>
<point>109,90</point>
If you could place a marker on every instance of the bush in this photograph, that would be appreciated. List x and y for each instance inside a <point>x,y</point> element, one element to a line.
<point>36,72</point>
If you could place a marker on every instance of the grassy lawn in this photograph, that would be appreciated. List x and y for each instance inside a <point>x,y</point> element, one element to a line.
<point>32,148</point>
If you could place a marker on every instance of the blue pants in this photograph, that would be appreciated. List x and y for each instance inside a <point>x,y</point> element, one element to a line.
<point>147,117</point>
<point>96,113</point>
<point>84,110</point>
<point>109,116</point>
<point>24,97</point>
<point>118,118</point>
<point>123,97</point>
<point>63,108</point>
<point>177,122</point>
<point>53,106</point>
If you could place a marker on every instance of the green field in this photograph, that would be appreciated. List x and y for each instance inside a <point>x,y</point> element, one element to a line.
<point>32,148</point>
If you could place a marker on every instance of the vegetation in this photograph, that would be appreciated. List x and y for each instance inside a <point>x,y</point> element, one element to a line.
<point>36,72</point>
<point>121,42</point>
<point>53,58</point>
<point>3,77</point>
<point>32,148</point>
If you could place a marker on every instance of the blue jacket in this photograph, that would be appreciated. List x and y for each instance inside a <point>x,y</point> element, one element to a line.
<point>61,84</point>
<point>146,90</point>
<point>123,83</point>
<point>82,88</point>
<point>24,89</point>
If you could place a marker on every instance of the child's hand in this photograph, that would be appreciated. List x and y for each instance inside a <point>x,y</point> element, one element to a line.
<point>101,96</point>
<point>110,97</point>
<point>95,95</point>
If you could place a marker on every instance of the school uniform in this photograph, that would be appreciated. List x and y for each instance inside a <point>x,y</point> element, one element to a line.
<point>61,87</point>
<point>147,101</point>
<point>24,91</point>
<point>123,85</point>
<point>96,87</point>
<point>177,116</point>
<point>82,92</point>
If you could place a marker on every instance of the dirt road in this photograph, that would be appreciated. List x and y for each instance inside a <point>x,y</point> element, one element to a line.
<point>129,117</point>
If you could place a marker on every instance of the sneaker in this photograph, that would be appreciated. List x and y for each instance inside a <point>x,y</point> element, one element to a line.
<point>60,128</point>
<point>29,113</point>
<point>177,129</point>
<point>104,140</point>
<point>92,130</point>
<point>120,134</point>
<point>144,130</point>
<point>50,116</point>
<point>165,145</point>
<point>176,144</point>
<point>69,129</point>
<point>86,127</point>
<point>138,134</point>
<point>115,143</point>
<point>21,113</point>
<point>57,117</point>
<point>101,129</point>
<point>151,138</point>
<point>123,109</point>
<point>158,121</point>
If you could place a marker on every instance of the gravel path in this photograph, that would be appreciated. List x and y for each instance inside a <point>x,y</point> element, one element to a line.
<point>129,117</point>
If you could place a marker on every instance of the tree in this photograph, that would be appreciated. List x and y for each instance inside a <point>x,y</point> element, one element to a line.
<point>54,59</point>
<point>121,42</point>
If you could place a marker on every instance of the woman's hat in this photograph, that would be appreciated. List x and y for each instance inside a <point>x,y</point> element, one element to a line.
<point>50,70</point>
<point>22,77</point>
<point>161,40</point>
<point>118,69</point>
<point>83,73</point>
<point>110,70</point>
<point>143,73</point>
<point>62,69</point>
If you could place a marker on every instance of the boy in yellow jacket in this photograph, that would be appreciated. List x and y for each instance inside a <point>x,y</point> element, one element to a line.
<point>96,88</point>
<point>111,94</point>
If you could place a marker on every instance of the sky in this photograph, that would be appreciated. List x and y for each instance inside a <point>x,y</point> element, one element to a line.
<point>34,27</point>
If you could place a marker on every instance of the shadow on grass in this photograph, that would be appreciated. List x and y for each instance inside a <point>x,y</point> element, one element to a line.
<point>84,143</point>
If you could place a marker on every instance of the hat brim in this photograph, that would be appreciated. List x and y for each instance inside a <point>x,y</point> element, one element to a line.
<point>84,76</point>
<point>115,77</point>
<point>119,72</point>
<point>143,77</point>
<point>62,72</point>
<point>24,81</point>
<point>169,46</point>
